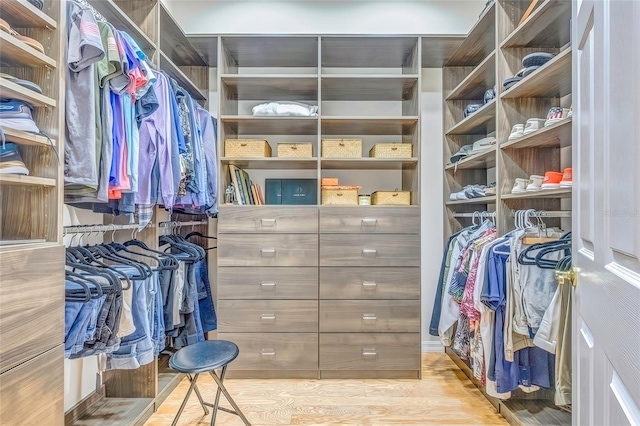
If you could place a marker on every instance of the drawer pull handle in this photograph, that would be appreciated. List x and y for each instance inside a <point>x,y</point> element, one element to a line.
<point>370,284</point>
<point>271,252</point>
<point>270,317</point>
<point>369,252</point>
<point>371,317</point>
<point>369,352</point>
<point>270,222</point>
<point>268,283</point>
<point>369,221</point>
<point>268,352</point>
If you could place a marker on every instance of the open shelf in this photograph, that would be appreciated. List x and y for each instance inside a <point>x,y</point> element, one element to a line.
<point>9,89</point>
<point>340,87</point>
<point>25,138</point>
<point>272,163</point>
<point>367,163</point>
<point>22,14</point>
<point>7,179</point>
<point>554,193</point>
<point>557,135</point>
<point>292,87</point>
<point>17,53</point>
<point>250,125</point>
<point>481,200</point>
<point>545,27</point>
<point>437,50</point>
<point>479,42</point>
<point>482,160</point>
<point>478,81</point>
<point>477,122</point>
<point>271,52</point>
<point>119,19</point>
<point>552,80</point>
<point>175,44</point>
<point>367,52</point>
<point>367,125</point>
<point>172,69</point>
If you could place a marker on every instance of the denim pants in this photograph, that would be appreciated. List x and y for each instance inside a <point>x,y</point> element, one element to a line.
<point>205,298</point>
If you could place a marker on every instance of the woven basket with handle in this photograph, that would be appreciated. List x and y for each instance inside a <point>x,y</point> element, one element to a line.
<point>295,150</point>
<point>391,198</point>
<point>391,150</point>
<point>345,195</point>
<point>253,148</point>
<point>342,148</point>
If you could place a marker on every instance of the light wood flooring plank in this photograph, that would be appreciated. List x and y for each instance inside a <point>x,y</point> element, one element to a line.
<point>443,396</point>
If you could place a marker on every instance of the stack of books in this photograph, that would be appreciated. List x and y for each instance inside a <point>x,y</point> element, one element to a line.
<point>247,192</point>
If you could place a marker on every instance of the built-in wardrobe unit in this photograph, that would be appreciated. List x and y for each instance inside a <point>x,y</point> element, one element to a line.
<point>31,251</point>
<point>492,52</point>
<point>31,219</point>
<point>322,291</point>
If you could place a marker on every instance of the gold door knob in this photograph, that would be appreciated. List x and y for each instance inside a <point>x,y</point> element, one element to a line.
<point>567,277</point>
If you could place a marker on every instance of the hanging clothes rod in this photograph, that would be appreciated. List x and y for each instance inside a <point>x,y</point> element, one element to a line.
<point>83,229</point>
<point>177,224</point>
<point>476,214</point>
<point>547,213</point>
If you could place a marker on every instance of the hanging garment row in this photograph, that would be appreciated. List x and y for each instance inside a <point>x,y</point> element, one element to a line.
<point>131,302</point>
<point>498,306</point>
<point>134,137</point>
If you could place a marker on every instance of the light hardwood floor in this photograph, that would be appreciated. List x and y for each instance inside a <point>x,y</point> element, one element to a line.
<point>444,396</point>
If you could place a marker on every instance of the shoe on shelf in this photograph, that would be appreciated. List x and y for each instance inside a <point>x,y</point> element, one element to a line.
<point>517,132</point>
<point>4,26</point>
<point>24,83</point>
<point>533,125</point>
<point>520,186</point>
<point>535,183</point>
<point>567,178</point>
<point>557,114</point>
<point>11,160</point>
<point>17,115</point>
<point>552,180</point>
<point>536,59</point>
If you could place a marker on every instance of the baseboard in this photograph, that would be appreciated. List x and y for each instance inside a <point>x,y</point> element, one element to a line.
<point>432,346</point>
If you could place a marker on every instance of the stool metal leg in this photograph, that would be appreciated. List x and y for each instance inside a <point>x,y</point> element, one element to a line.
<point>221,387</point>
<point>217,401</point>
<point>186,398</point>
<point>202,403</point>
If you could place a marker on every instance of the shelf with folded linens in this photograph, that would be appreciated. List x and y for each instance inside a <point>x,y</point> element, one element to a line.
<point>544,27</point>
<point>553,79</point>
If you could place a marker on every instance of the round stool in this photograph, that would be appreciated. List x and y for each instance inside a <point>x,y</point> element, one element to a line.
<point>206,357</point>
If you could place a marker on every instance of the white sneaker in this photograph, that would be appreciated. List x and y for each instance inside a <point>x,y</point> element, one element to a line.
<point>519,186</point>
<point>516,132</point>
<point>557,114</point>
<point>535,183</point>
<point>533,125</point>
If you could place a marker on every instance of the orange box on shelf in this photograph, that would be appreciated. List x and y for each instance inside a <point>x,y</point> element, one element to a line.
<point>329,181</point>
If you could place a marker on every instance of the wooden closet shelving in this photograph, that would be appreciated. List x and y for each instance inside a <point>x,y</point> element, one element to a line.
<point>9,89</point>
<point>475,67</point>
<point>25,138</point>
<point>19,54</point>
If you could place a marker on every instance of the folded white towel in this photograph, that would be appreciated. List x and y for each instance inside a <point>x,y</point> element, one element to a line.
<point>285,109</point>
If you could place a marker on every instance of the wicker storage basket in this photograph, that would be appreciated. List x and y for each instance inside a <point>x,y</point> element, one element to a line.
<point>340,195</point>
<point>342,148</point>
<point>391,150</point>
<point>254,148</point>
<point>295,150</point>
<point>402,198</point>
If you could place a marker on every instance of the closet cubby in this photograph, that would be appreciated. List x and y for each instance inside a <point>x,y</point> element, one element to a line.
<point>492,52</point>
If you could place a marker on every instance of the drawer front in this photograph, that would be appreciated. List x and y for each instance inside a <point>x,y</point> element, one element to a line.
<point>274,351</point>
<point>370,283</point>
<point>268,316</point>
<point>267,283</point>
<point>369,351</point>
<point>370,220</point>
<point>31,304</point>
<point>268,220</point>
<point>369,250</point>
<point>33,392</point>
<point>375,316</point>
<point>268,250</point>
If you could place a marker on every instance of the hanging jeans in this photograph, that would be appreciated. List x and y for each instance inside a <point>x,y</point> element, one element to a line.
<point>205,298</point>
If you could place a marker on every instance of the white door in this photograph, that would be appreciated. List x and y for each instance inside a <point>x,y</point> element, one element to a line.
<point>606,205</point>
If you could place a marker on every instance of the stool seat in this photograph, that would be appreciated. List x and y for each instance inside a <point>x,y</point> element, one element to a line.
<point>204,356</point>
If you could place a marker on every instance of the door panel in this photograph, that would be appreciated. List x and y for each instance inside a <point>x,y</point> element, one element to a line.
<point>606,220</point>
